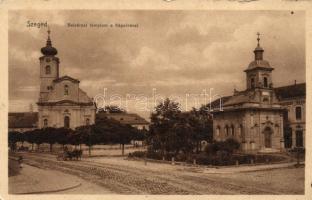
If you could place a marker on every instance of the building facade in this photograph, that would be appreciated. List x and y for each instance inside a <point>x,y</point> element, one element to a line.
<point>254,117</point>
<point>293,99</point>
<point>61,102</point>
<point>131,119</point>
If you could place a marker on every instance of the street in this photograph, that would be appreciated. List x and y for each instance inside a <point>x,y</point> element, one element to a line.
<point>117,175</point>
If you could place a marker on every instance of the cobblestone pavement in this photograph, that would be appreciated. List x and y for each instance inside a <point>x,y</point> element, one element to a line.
<point>159,179</point>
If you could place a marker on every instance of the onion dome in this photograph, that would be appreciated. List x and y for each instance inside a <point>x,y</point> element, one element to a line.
<point>48,50</point>
<point>259,62</point>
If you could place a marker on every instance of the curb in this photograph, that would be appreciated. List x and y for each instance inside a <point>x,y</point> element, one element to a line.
<point>49,191</point>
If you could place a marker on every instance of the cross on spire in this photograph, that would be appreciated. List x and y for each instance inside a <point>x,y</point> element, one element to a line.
<point>49,31</point>
<point>258,38</point>
<point>49,43</point>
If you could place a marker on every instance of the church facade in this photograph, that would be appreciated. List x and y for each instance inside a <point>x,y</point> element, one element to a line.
<point>254,117</point>
<point>61,102</point>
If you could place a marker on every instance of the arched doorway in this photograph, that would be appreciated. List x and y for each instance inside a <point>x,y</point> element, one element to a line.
<point>267,137</point>
<point>66,122</point>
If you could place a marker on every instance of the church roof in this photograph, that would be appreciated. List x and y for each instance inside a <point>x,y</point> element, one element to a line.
<point>259,64</point>
<point>291,91</point>
<point>23,119</point>
<point>124,118</point>
<point>66,78</point>
<point>284,92</point>
<point>65,102</point>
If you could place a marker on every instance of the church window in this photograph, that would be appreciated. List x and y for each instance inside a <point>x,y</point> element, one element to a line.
<point>298,113</point>
<point>48,69</point>
<point>265,99</point>
<point>66,122</point>
<point>232,130</point>
<point>265,82</point>
<point>87,121</point>
<point>227,130</point>
<point>45,123</point>
<point>218,131</point>
<point>252,82</point>
<point>66,90</point>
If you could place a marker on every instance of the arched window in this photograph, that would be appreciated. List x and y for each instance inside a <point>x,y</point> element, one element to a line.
<point>65,89</point>
<point>232,130</point>
<point>45,123</point>
<point>265,82</point>
<point>242,132</point>
<point>252,82</point>
<point>87,121</point>
<point>48,69</point>
<point>66,122</point>
<point>218,131</point>
<point>298,113</point>
<point>227,130</point>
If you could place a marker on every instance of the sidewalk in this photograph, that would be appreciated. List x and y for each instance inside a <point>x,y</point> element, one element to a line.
<point>32,180</point>
<point>157,166</point>
<point>249,168</point>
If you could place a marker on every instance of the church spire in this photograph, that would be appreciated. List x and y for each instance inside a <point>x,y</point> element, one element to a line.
<point>258,50</point>
<point>48,50</point>
<point>49,43</point>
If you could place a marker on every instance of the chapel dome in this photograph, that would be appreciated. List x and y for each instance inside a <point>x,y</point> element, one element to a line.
<point>259,63</point>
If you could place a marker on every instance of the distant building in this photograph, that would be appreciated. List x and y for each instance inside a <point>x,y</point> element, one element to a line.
<point>126,118</point>
<point>293,99</point>
<point>23,121</point>
<point>255,117</point>
<point>61,102</point>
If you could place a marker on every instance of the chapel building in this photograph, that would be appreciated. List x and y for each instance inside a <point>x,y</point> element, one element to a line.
<point>254,117</point>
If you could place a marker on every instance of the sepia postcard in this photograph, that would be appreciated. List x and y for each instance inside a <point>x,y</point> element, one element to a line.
<point>156,99</point>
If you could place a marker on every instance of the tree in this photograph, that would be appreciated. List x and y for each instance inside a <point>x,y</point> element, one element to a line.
<point>112,131</point>
<point>163,120</point>
<point>29,137</point>
<point>201,120</point>
<point>50,136</point>
<point>87,136</point>
<point>62,135</point>
<point>112,109</point>
<point>13,139</point>
<point>38,137</point>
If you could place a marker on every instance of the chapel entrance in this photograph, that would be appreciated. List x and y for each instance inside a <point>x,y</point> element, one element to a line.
<point>66,122</point>
<point>268,137</point>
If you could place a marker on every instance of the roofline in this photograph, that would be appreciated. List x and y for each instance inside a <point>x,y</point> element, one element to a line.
<point>66,77</point>
<point>263,68</point>
<point>64,101</point>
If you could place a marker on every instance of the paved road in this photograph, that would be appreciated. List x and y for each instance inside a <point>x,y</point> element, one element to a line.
<point>135,178</point>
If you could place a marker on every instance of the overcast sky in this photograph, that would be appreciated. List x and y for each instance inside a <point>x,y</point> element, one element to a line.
<point>176,52</point>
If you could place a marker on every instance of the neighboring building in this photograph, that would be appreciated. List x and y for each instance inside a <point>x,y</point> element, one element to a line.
<point>292,98</point>
<point>61,103</point>
<point>254,116</point>
<point>23,121</point>
<point>126,118</point>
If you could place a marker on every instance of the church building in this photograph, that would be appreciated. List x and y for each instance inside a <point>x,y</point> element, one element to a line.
<point>61,102</point>
<point>254,117</point>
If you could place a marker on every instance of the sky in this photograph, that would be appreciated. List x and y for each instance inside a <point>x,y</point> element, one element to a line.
<point>176,54</point>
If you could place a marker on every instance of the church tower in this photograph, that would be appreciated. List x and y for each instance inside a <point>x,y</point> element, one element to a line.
<point>49,68</point>
<point>259,71</point>
<point>259,77</point>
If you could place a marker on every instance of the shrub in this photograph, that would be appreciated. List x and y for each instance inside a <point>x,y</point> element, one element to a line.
<point>138,154</point>
<point>228,146</point>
